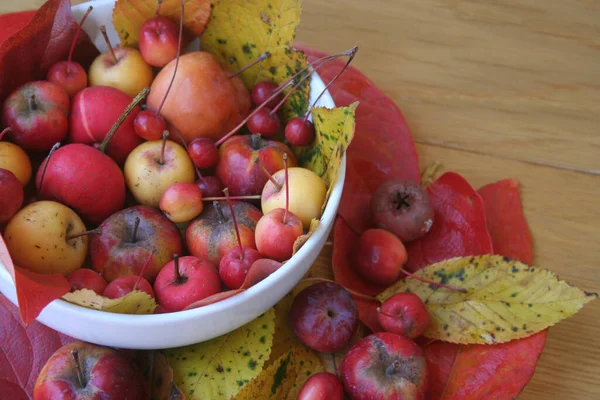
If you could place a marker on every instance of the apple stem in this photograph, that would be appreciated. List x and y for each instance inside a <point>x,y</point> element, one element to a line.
<point>257,197</point>
<point>287,188</point>
<point>52,150</point>
<point>380,311</point>
<point>176,60</point>
<point>158,4</point>
<point>136,224</point>
<point>350,58</point>
<point>165,135</point>
<point>80,376</point>
<point>141,96</point>
<point>176,273</point>
<point>89,10</point>
<point>260,58</point>
<point>107,40</point>
<point>442,285</point>
<point>31,101</point>
<point>391,370</point>
<point>220,215</point>
<point>352,292</point>
<point>273,181</point>
<point>184,144</point>
<point>287,96</point>
<point>143,270</point>
<point>96,231</point>
<point>5,131</point>
<point>235,225</point>
<point>321,61</point>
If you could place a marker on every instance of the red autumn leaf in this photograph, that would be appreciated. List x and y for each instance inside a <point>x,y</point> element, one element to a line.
<point>45,39</point>
<point>23,351</point>
<point>505,220</point>
<point>214,298</point>
<point>382,148</point>
<point>13,22</point>
<point>34,291</point>
<point>459,228</point>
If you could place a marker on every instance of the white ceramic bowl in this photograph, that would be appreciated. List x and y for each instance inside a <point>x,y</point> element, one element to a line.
<point>186,327</point>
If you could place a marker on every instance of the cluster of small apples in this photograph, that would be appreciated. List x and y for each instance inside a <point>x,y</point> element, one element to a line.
<point>120,204</point>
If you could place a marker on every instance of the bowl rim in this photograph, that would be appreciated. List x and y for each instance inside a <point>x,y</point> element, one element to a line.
<point>327,220</point>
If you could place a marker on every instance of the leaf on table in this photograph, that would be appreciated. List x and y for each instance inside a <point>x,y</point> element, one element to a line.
<point>240,31</point>
<point>283,337</point>
<point>331,361</point>
<point>12,23</point>
<point>284,378</point>
<point>47,38</point>
<point>505,220</point>
<point>136,302</point>
<point>23,351</point>
<point>219,368</point>
<point>505,299</point>
<point>459,228</point>
<point>314,225</point>
<point>382,148</point>
<point>129,16</point>
<point>158,375</point>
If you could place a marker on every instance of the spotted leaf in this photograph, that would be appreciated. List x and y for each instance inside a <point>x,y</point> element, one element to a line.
<point>136,302</point>
<point>505,299</point>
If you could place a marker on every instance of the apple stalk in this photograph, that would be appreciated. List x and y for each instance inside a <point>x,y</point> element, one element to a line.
<point>260,58</point>
<point>79,26</point>
<point>107,40</point>
<point>80,375</point>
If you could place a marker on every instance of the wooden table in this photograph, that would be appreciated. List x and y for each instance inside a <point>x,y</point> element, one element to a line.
<point>496,89</point>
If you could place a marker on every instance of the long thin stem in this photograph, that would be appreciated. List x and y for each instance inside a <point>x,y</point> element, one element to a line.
<point>96,231</point>
<point>176,60</point>
<point>5,131</point>
<point>176,273</point>
<point>158,4</point>
<point>141,96</point>
<point>262,57</point>
<point>165,135</point>
<point>425,280</point>
<point>107,40</point>
<point>52,150</point>
<point>136,224</point>
<point>89,10</point>
<point>273,181</point>
<point>257,197</point>
<point>235,225</point>
<point>287,188</point>
<point>80,376</point>
<point>144,268</point>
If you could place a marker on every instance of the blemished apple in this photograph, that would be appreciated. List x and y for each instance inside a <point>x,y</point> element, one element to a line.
<point>124,245</point>
<point>85,371</point>
<point>307,193</point>
<point>130,73</point>
<point>150,170</point>
<point>14,159</point>
<point>385,366</point>
<point>37,238</point>
<point>11,195</point>
<point>38,115</point>
<point>204,101</point>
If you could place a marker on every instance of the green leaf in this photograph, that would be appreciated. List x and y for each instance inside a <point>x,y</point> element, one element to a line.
<point>219,368</point>
<point>505,299</point>
<point>240,31</point>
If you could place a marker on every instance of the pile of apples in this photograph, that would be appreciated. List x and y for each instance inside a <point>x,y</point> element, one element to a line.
<point>164,197</point>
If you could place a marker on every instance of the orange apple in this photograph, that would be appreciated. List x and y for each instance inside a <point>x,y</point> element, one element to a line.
<point>14,159</point>
<point>130,73</point>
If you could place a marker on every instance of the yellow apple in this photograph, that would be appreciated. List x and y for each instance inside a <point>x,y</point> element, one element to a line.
<point>36,238</point>
<point>14,159</point>
<point>148,178</point>
<point>307,194</point>
<point>129,74</point>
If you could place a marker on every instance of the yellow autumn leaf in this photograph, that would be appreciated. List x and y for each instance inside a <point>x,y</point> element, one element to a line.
<point>136,302</point>
<point>505,299</point>
<point>240,31</point>
<point>219,368</point>
<point>283,379</point>
<point>314,224</point>
<point>129,16</point>
<point>283,337</point>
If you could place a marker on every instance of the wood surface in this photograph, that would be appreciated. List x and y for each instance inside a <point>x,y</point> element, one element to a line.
<point>496,89</point>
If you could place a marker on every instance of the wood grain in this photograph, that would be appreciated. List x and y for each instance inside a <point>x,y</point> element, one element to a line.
<point>496,89</point>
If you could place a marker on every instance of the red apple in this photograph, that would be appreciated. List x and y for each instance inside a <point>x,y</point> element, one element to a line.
<point>184,281</point>
<point>37,114</point>
<point>94,111</point>
<point>85,278</point>
<point>149,125</point>
<point>159,37</point>
<point>70,75</point>
<point>276,233</point>
<point>84,371</point>
<point>322,386</point>
<point>211,186</point>
<point>404,314</point>
<point>127,284</point>
<point>385,366</point>
<point>11,195</point>
<point>122,249</point>
<point>380,256</point>
<point>14,159</point>
<point>182,202</point>
<point>84,179</point>
<point>238,168</point>
<point>212,234</point>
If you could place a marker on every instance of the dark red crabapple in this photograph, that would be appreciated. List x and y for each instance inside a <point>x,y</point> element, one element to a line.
<point>261,93</point>
<point>385,366</point>
<point>324,317</point>
<point>149,125</point>
<point>321,386</point>
<point>404,314</point>
<point>264,122</point>
<point>403,208</point>
<point>210,186</point>
<point>126,284</point>
<point>203,152</point>
<point>379,256</point>
<point>85,278</point>
<point>299,132</point>
<point>233,268</point>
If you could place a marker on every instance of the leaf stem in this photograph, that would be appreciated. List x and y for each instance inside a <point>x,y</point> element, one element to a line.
<point>260,58</point>
<point>425,280</point>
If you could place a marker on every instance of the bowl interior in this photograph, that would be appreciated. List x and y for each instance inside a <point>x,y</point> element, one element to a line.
<point>135,331</point>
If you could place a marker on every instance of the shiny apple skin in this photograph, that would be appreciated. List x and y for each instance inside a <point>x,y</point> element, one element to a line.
<point>113,254</point>
<point>321,386</point>
<point>37,125</point>
<point>239,171</point>
<point>85,278</point>
<point>158,41</point>
<point>14,159</point>
<point>124,285</point>
<point>204,101</point>
<point>108,373</point>
<point>130,74</point>
<point>274,237</point>
<point>70,75</point>
<point>11,195</point>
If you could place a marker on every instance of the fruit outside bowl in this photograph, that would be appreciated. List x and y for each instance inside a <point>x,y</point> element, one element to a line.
<point>176,329</point>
